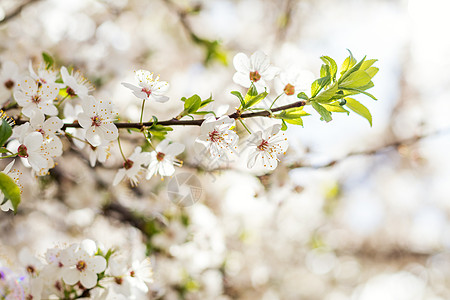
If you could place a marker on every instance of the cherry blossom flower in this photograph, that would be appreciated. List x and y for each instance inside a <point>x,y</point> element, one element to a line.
<point>35,98</point>
<point>76,84</point>
<point>132,167</point>
<point>14,174</point>
<point>44,75</point>
<point>82,265</point>
<point>217,137</point>
<point>48,128</point>
<point>97,118</point>
<point>163,159</point>
<point>265,146</point>
<point>292,82</point>
<point>256,70</point>
<point>141,273</point>
<point>9,77</point>
<point>99,153</point>
<point>32,152</point>
<point>149,88</point>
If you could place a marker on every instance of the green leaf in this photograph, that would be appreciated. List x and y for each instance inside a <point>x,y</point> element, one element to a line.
<point>297,121</point>
<point>204,112</point>
<point>292,113</point>
<point>348,63</point>
<point>359,109</point>
<point>356,80</point>
<point>303,96</point>
<point>358,91</point>
<point>253,100</point>
<point>331,64</point>
<point>48,59</point>
<point>5,132</point>
<point>335,107</point>
<point>325,114</point>
<point>372,71</point>
<point>327,94</point>
<point>206,102</point>
<point>192,104</point>
<point>239,96</point>
<point>319,84</point>
<point>4,150</point>
<point>283,125</point>
<point>158,131</point>
<point>325,71</point>
<point>367,64</point>
<point>10,190</point>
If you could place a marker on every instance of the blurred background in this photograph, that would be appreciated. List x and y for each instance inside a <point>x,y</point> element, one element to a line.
<point>353,211</point>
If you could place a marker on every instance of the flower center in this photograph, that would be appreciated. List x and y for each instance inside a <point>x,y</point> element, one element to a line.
<point>22,151</point>
<point>214,136</point>
<point>96,121</point>
<point>58,285</point>
<point>81,265</point>
<point>263,146</point>
<point>36,99</point>
<point>31,269</point>
<point>254,76</point>
<point>70,92</point>
<point>289,89</point>
<point>147,91</point>
<point>132,273</point>
<point>128,164</point>
<point>9,84</point>
<point>41,131</point>
<point>160,156</point>
<point>118,280</point>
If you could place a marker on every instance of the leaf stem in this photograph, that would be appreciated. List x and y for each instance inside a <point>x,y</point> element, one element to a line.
<point>275,100</point>
<point>246,128</point>
<point>121,151</point>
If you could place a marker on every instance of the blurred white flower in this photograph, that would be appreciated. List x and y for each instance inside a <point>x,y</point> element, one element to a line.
<point>265,146</point>
<point>9,77</point>
<point>99,153</point>
<point>70,115</point>
<point>44,75</point>
<point>217,137</point>
<point>132,167</point>
<point>35,98</point>
<point>256,70</point>
<point>141,273</point>
<point>97,118</point>
<point>292,82</point>
<point>163,159</point>
<point>149,88</point>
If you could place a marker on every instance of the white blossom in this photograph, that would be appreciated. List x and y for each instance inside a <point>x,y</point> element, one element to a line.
<point>35,98</point>
<point>76,84</point>
<point>97,118</point>
<point>82,265</point>
<point>163,159</point>
<point>44,75</point>
<point>9,77</point>
<point>216,137</point>
<point>265,146</point>
<point>256,70</point>
<point>149,88</point>
<point>132,167</point>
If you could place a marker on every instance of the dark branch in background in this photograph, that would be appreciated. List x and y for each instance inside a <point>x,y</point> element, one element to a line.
<point>395,144</point>
<point>176,122</point>
<point>17,11</point>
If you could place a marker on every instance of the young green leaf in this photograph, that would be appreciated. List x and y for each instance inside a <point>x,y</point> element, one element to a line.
<point>359,109</point>
<point>206,102</point>
<point>283,125</point>
<point>239,96</point>
<point>331,64</point>
<point>335,107</point>
<point>192,104</point>
<point>348,63</point>
<point>326,95</point>
<point>10,190</point>
<point>319,84</point>
<point>325,114</point>
<point>253,100</point>
<point>48,59</point>
<point>303,96</point>
<point>356,80</point>
<point>5,132</point>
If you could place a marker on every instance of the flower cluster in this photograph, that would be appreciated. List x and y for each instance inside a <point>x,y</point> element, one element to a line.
<point>75,271</point>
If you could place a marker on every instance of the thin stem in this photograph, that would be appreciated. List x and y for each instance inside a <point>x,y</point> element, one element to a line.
<point>142,110</point>
<point>246,128</point>
<point>61,101</point>
<point>275,100</point>
<point>76,138</point>
<point>121,151</point>
<point>8,156</point>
